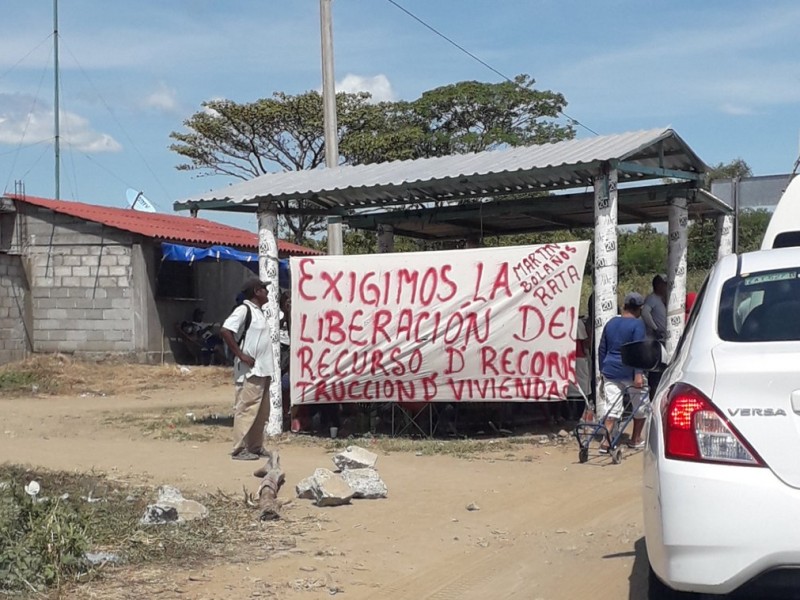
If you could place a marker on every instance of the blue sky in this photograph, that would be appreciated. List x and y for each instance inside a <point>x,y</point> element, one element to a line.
<point>725,74</point>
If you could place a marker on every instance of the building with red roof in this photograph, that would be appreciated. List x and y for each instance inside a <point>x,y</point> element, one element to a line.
<point>92,280</point>
<point>165,227</point>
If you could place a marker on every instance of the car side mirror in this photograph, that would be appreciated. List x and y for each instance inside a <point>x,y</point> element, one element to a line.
<point>646,355</point>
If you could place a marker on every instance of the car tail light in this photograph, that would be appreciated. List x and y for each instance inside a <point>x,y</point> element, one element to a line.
<point>694,429</point>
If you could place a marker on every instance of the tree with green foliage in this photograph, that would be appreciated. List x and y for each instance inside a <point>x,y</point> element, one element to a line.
<point>702,251</point>
<point>738,167</point>
<point>469,116</point>
<point>752,227</point>
<point>285,132</point>
<point>642,252</point>
<point>281,133</point>
<point>360,241</point>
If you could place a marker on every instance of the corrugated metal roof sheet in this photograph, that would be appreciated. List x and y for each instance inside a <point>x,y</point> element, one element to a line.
<point>160,226</point>
<point>640,204</point>
<point>561,165</point>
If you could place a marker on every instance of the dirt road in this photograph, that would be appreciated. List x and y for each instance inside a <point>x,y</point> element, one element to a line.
<point>547,528</point>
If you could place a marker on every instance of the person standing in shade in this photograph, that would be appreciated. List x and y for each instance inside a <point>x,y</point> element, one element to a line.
<point>654,315</point>
<point>654,311</point>
<point>617,378</point>
<point>578,392</point>
<point>248,335</point>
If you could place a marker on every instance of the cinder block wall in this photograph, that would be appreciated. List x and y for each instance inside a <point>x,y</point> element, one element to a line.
<point>80,276</point>
<point>13,300</point>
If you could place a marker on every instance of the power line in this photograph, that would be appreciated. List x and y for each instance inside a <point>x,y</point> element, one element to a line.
<point>25,130</point>
<point>117,121</point>
<point>484,63</point>
<point>21,60</point>
<point>28,145</point>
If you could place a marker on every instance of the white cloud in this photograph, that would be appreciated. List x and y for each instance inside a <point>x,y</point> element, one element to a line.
<point>163,99</point>
<point>736,110</point>
<point>739,65</point>
<point>211,111</point>
<point>379,86</point>
<point>24,121</point>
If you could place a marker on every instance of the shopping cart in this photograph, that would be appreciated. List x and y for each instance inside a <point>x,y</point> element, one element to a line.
<point>592,428</point>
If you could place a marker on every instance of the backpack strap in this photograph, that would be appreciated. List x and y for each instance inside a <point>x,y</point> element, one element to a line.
<point>247,320</point>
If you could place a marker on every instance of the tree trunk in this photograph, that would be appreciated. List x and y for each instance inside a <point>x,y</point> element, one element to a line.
<point>272,479</point>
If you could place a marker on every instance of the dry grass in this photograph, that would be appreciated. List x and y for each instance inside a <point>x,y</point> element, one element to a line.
<point>59,374</point>
<point>489,448</point>
<point>150,554</point>
<point>176,424</point>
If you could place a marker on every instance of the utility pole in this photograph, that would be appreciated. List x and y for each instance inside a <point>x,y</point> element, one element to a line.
<point>335,242</point>
<point>56,110</point>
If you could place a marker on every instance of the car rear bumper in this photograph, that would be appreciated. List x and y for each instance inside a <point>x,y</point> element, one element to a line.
<point>713,528</point>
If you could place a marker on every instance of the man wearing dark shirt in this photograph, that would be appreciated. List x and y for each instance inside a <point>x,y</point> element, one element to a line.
<point>617,377</point>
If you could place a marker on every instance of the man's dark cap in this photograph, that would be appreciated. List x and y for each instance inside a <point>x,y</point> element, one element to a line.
<point>252,284</point>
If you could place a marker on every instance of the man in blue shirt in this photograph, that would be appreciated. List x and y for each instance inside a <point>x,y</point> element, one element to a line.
<point>617,377</point>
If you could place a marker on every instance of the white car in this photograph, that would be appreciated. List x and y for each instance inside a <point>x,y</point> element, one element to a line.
<point>722,463</point>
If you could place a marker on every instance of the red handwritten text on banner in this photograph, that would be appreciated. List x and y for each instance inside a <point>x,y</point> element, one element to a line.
<point>463,325</point>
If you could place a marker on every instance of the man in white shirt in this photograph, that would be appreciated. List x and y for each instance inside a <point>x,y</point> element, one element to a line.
<point>253,368</point>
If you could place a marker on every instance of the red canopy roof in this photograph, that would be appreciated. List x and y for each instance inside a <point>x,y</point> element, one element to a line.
<point>160,226</point>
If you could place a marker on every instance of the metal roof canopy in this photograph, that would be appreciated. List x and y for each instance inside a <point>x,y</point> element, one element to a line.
<point>500,174</point>
<point>645,204</point>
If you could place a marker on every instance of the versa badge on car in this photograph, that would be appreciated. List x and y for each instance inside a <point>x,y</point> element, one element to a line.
<point>756,412</point>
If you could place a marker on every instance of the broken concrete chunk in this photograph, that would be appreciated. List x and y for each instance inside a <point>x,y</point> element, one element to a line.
<point>159,515</point>
<point>355,457</point>
<point>304,488</point>
<point>366,483</point>
<point>172,507</point>
<point>330,489</point>
<point>167,493</point>
<point>101,557</point>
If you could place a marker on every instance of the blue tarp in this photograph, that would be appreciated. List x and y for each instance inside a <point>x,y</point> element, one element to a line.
<point>180,253</point>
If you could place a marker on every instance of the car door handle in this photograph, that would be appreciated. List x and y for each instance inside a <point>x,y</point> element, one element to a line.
<point>796,401</point>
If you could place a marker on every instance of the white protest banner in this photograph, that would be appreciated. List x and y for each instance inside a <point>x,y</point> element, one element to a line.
<point>488,324</point>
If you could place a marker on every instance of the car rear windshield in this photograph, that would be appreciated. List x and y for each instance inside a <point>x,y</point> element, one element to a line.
<point>761,307</point>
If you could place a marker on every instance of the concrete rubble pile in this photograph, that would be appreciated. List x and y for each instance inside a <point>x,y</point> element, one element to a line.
<point>172,507</point>
<point>356,477</point>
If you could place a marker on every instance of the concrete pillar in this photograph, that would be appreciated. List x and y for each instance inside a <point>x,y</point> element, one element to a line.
<point>142,319</point>
<point>385,238</point>
<point>605,253</point>
<point>676,259</point>
<point>724,235</point>
<point>335,236</point>
<point>268,272</point>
